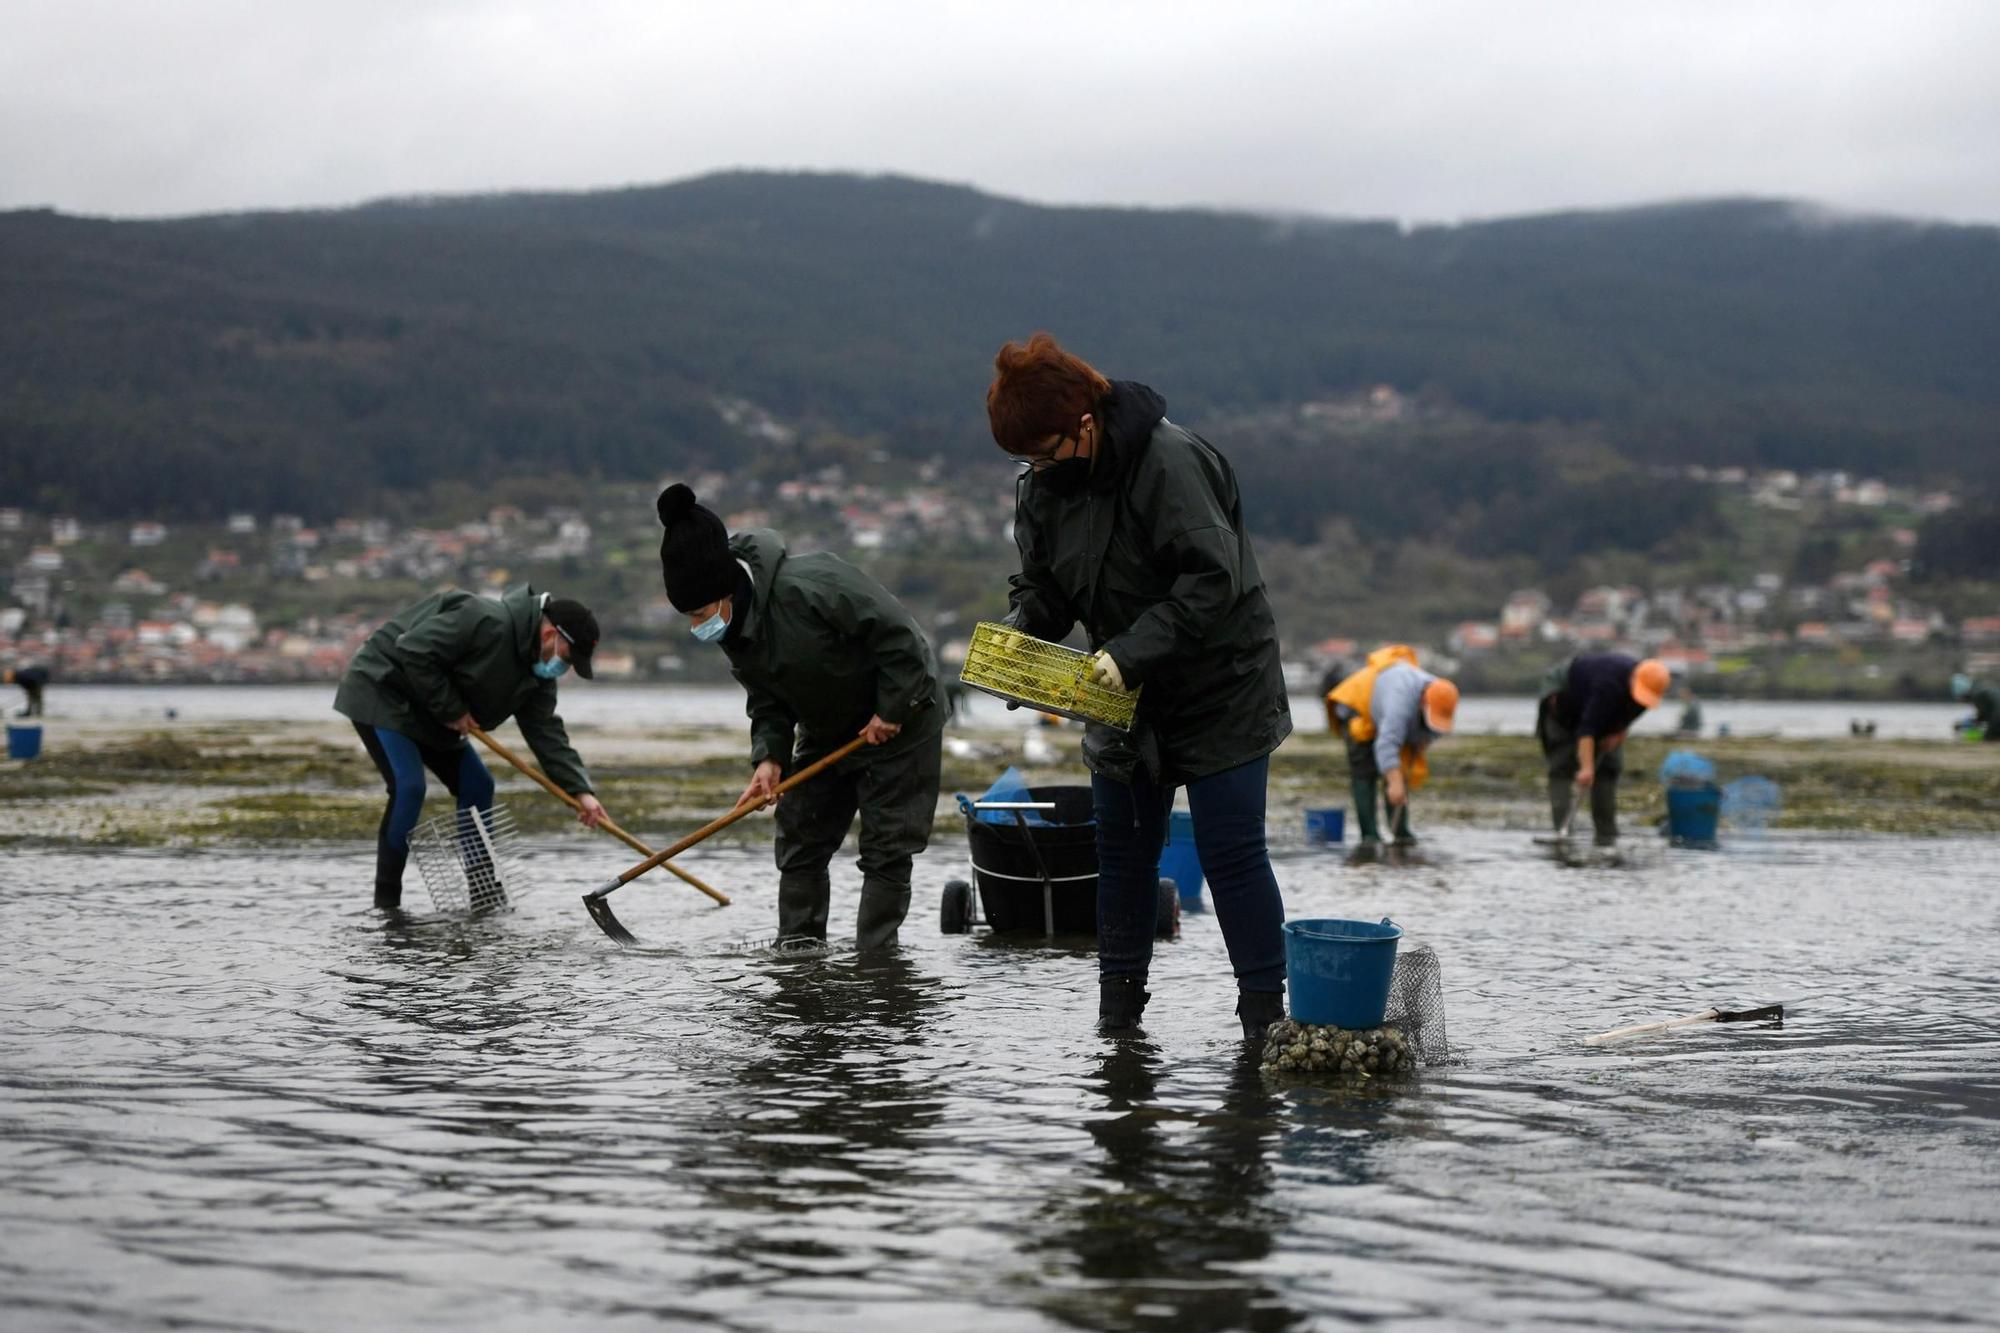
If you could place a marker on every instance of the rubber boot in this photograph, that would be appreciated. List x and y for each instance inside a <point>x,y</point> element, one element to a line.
<point>884,904</point>
<point>1120,1001</point>
<point>389,863</point>
<point>1259,1009</point>
<point>1562,794</point>
<point>802,899</point>
<point>1363,792</point>
<point>1604,811</point>
<point>1399,825</point>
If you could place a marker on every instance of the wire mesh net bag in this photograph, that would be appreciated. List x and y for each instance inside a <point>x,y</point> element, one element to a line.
<point>1749,803</point>
<point>468,858</point>
<point>1048,676</point>
<point>1410,1035</point>
<point>1416,1004</point>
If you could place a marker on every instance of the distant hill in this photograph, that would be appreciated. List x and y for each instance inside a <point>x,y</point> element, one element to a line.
<point>311,361</point>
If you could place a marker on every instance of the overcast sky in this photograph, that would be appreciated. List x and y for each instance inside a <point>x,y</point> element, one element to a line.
<point>1414,109</point>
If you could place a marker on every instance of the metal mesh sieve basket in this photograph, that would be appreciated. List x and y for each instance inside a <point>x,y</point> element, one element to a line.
<point>468,858</point>
<point>1416,1004</point>
<point>1750,803</point>
<point>1048,676</point>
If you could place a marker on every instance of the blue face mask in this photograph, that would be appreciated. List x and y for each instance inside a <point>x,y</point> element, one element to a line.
<point>710,630</point>
<point>551,669</point>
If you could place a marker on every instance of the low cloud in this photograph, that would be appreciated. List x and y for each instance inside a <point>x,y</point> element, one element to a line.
<point>1426,111</point>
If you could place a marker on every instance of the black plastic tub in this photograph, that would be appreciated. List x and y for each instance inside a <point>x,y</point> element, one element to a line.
<point>1009,880</point>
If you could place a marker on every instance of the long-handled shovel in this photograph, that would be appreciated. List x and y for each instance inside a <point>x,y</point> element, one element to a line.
<point>596,899</point>
<point>1769,1013</point>
<point>606,823</point>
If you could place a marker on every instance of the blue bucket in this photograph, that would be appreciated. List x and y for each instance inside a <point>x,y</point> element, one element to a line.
<point>1338,971</point>
<point>1327,825</point>
<point>1692,813</point>
<point>24,741</point>
<point>1178,861</point>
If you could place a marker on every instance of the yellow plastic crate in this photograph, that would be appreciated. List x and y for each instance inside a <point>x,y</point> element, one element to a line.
<point>1048,676</point>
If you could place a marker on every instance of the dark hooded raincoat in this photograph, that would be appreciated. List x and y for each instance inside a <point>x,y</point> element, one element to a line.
<point>825,648</point>
<point>1152,559</point>
<point>456,653</point>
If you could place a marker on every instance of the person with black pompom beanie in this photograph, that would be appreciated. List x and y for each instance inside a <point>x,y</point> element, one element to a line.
<point>825,654</point>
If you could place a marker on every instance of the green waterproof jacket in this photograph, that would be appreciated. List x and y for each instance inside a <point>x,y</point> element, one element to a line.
<point>1150,556</point>
<point>456,653</point>
<point>823,649</point>
<point>1985,701</point>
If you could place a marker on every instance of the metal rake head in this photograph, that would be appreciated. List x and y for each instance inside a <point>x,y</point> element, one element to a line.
<point>607,921</point>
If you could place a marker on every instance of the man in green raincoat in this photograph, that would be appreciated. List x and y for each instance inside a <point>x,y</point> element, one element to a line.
<point>825,653</point>
<point>456,659</point>
<point>1984,696</point>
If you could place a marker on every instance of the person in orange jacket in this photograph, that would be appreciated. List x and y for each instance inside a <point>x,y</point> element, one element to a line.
<point>1390,712</point>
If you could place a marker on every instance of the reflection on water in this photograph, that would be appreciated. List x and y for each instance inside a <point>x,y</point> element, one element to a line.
<point>816,1156</point>
<point>230,1095</point>
<point>1174,1207</point>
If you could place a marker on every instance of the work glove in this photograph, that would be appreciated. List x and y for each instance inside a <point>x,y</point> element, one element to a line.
<point>1105,672</point>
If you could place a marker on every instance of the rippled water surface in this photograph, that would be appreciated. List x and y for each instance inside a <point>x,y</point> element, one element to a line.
<point>229,1096</point>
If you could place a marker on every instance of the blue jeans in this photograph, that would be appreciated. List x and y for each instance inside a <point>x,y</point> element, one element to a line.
<point>402,762</point>
<point>1228,812</point>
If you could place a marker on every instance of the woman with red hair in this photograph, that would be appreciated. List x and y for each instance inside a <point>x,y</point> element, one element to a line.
<point>1132,527</point>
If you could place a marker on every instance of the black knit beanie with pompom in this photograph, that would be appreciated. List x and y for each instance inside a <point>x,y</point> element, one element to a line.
<point>694,552</point>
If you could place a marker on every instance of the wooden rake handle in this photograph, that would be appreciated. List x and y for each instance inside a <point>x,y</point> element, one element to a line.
<point>715,826</point>
<point>574,804</point>
<point>1769,1013</point>
<point>1641,1029</point>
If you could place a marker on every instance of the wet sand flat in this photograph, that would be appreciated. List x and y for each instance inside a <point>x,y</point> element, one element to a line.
<point>221,783</point>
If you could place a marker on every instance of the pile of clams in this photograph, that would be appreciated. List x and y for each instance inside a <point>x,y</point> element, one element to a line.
<point>1356,1053</point>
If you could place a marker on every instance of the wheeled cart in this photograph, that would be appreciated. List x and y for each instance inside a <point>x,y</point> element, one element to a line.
<point>1037,872</point>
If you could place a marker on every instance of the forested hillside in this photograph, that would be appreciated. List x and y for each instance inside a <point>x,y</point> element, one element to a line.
<point>314,361</point>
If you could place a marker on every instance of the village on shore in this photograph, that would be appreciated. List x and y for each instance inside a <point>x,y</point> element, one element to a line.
<point>274,598</point>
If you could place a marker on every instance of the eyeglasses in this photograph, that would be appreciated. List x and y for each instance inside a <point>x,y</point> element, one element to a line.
<point>1054,454</point>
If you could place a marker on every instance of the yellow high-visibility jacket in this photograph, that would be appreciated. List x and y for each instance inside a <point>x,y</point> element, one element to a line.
<point>1356,694</point>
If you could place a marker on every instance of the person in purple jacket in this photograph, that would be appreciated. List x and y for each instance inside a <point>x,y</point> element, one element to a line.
<point>1588,704</point>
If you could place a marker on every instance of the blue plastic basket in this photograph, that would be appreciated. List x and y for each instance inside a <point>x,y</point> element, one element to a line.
<point>1179,861</point>
<point>1692,813</point>
<point>24,740</point>
<point>1326,825</point>
<point>1338,971</point>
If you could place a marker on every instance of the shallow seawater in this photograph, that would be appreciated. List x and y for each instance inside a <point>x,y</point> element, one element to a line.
<point>230,1095</point>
